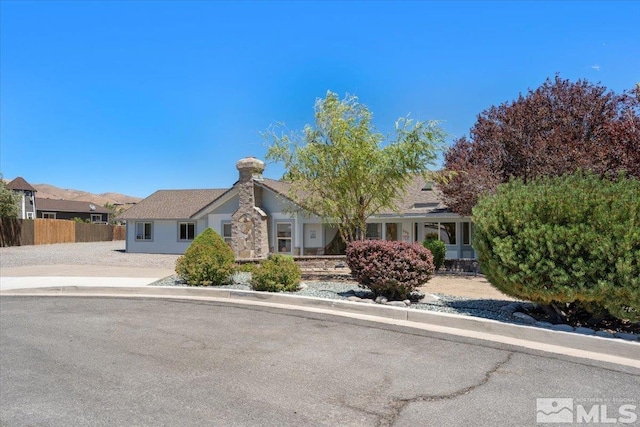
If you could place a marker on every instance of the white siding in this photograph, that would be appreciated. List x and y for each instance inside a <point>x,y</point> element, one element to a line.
<point>164,237</point>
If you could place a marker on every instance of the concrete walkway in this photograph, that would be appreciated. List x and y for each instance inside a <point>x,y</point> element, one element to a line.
<point>43,276</point>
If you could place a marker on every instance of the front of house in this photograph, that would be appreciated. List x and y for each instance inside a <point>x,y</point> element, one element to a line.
<point>255,217</point>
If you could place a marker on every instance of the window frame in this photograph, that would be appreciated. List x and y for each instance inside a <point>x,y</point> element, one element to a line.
<point>143,239</point>
<point>228,239</point>
<point>284,238</point>
<point>186,224</point>
<point>371,236</point>
<point>439,228</point>
<point>49,215</point>
<point>466,234</point>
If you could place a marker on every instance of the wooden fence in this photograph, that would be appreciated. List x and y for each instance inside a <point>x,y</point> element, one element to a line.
<point>23,232</point>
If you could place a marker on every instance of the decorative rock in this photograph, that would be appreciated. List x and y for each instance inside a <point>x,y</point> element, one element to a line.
<point>302,286</point>
<point>585,331</point>
<point>524,318</point>
<point>354,298</point>
<point>562,327</point>
<point>429,299</point>
<point>407,302</point>
<point>544,324</point>
<point>626,336</point>
<point>381,300</point>
<point>604,334</point>
<point>511,308</point>
<point>396,303</point>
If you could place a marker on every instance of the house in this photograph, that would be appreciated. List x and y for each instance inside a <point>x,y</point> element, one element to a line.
<point>26,193</point>
<point>31,207</point>
<point>71,209</point>
<point>254,217</point>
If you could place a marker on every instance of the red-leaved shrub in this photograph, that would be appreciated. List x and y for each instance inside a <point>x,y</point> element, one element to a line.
<point>389,269</point>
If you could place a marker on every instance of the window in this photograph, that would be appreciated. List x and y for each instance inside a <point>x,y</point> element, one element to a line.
<point>96,217</point>
<point>186,230</point>
<point>143,231</point>
<point>391,231</point>
<point>283,232</point>
<point>226,232</point>
<point>466,233</point>
<point>29,215</point>
<point>445,231</point>
<point>448,233</point>
<point>374,232</point>
<point>49,215</point>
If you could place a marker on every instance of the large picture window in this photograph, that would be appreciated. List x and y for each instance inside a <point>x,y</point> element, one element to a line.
<point>186,230</point>
<point>445,231</point>
<point>144,231</point>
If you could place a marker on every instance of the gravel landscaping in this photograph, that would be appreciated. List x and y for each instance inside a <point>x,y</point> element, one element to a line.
<point>113,254</point>
<point>346,290</point>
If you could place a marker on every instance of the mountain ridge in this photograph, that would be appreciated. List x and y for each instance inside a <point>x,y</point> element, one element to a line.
<point>48,191</point>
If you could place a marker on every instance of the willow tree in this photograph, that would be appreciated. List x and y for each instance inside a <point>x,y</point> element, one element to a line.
<point>343,170</point>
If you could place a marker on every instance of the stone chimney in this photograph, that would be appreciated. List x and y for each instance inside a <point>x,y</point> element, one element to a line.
<point>249,232</point>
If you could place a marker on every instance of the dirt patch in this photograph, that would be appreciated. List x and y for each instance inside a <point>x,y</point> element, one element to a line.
<point>463,286</point>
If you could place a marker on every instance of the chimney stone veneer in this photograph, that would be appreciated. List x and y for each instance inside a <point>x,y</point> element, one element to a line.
<point>249,232</point>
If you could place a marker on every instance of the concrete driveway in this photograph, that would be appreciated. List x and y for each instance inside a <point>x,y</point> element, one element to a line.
<point>111,361</point>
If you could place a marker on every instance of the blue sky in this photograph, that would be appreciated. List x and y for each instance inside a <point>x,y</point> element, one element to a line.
<point>135,96</point>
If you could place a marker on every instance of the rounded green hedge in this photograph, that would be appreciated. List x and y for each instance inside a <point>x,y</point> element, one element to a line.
<point>437,249</point>
<point>278,273</point>
<point>564,240</point>
<point>207,261</point>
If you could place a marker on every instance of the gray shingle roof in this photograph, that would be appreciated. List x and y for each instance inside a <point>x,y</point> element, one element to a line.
<point>180,204</point>
<point>172,204</point>
<point>20,184</point>
<point>59,205</point>
<point>421,197</point>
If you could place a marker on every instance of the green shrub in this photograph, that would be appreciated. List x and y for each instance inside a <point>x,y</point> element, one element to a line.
<point>437,248</point>
<point>278,273</point>
<point>565,242</point>
<point>207,261</point>
<point>389,269</point>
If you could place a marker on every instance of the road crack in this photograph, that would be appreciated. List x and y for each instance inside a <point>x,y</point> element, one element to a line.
<point>398,405</point>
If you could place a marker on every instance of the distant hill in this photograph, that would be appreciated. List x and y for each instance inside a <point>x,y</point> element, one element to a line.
<point>47,191</point>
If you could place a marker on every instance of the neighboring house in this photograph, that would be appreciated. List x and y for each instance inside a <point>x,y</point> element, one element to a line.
<point>27,201</point>
<point>71,209</point>
<point>254,217</point>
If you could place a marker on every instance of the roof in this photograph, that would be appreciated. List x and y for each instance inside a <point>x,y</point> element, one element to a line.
<point>421,197</point>
<point>172,204</point>
<point>60,205</point>
<point>280,187</point>
<point>20,184</point>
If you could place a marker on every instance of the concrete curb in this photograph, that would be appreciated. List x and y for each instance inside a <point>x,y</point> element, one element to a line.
<point>567,343</point>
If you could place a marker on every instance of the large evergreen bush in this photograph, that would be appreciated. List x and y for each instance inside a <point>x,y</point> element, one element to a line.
<point>207,261</point>
<point>389,269</point>
<point>566,242</point>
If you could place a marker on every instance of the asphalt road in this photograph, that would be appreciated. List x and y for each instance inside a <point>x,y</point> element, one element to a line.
<point>146,362</point>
